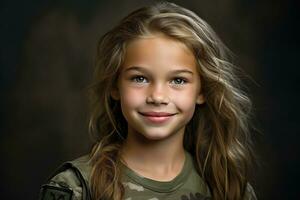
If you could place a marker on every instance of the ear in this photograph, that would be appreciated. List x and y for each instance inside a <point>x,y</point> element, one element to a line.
<point>200,99</point>
<point>115,94</point>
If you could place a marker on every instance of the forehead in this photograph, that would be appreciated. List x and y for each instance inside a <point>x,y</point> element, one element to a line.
<point>159,51</point>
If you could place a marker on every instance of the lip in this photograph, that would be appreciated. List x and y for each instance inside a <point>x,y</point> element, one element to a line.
<point>156,114</point>
<point>157,117</point>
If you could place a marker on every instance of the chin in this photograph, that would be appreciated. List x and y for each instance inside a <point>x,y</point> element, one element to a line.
<point>156,136</point>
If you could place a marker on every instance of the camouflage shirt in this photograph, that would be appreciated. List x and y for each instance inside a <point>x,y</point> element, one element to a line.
<point>187,185</point>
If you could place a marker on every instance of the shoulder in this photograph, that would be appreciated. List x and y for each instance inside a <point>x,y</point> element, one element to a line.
<point>68,181</point>
<point>249,193</point>
<point>64,185</point>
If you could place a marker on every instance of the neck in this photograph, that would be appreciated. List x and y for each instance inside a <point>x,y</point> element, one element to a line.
<point>164,158</point>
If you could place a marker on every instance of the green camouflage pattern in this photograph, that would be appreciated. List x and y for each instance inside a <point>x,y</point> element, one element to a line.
<point>188,185</point>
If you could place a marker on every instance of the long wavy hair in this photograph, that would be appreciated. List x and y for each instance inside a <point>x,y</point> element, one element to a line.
<point>217,136</point>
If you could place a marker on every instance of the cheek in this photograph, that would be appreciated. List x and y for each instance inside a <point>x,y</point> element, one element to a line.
<point>131,98</point>
<point>186,106</point>
<point>187,96</point>
<point>186,102</point>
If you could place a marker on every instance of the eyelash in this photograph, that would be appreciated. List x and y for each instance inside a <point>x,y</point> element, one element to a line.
<point>134,78</point>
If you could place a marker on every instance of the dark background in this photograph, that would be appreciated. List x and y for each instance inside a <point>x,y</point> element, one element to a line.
<point>47,53</point>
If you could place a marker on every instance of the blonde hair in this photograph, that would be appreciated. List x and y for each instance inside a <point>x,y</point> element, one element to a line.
<point>217,135</point>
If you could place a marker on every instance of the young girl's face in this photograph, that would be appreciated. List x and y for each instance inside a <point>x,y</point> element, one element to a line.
<point>158,87</point>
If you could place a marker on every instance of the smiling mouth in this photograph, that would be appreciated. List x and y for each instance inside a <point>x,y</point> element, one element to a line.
<point>156,114</point>
<point>157,117</point>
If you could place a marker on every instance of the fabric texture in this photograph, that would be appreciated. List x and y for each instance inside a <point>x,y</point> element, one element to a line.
<point>187,185</point>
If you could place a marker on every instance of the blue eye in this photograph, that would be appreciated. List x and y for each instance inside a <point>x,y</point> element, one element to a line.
<point>179,81</point>
<point>138,79</point>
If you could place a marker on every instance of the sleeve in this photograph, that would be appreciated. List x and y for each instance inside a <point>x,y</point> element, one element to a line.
<point>249,193</point>
<point>63,186</point>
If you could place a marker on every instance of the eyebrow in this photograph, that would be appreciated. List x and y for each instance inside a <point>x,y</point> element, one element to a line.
<point>142,69</point>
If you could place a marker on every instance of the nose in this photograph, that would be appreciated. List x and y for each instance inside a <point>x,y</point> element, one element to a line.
<point>157,95</point>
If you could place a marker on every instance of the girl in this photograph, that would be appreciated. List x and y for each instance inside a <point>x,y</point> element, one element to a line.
<point>168,113</point>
